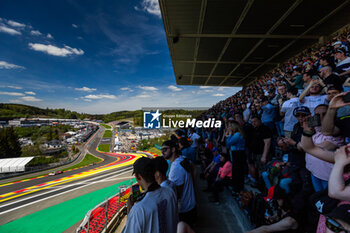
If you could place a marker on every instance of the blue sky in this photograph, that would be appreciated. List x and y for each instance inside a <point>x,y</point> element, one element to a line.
<point>92,57</point>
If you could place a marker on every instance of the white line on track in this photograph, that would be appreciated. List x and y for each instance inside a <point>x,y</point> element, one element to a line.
<point>94,178</point>
<point>10,210</point>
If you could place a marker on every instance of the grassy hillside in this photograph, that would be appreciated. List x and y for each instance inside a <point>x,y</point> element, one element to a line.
<point>11,111</point>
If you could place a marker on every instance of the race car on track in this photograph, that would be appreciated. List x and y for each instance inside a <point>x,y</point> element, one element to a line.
<point>55,173</point>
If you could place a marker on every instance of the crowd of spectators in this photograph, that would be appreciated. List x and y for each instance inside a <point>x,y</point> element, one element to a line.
<point>283,151</point>
<point>287,135</point>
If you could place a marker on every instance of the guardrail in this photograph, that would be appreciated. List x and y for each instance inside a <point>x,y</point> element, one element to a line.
<point>106,216</point>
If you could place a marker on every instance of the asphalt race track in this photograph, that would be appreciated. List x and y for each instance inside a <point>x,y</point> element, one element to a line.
<point>20,199</point>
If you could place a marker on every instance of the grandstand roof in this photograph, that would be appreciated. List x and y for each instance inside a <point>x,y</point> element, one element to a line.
<point>14,164</point>
<point>231,42</point>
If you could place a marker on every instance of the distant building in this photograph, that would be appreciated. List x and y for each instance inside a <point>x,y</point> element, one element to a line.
<point>26,142</point>
<point>53,144</point>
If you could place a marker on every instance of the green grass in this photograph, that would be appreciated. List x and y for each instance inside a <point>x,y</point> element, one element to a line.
<point>108,134</point>
<point>103,147</point>
<point>154,150</point>
<point>88,159</point>
<point>106,126</point>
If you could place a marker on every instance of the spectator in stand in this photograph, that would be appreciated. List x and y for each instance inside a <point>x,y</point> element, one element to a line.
<point>285,212</point>
<point>315,97</point>
<point>298,82</point>
<point>328,77</point>
<point>236,143</point>
<point>208,144</point>
<point>246,112</point>
<point>343,65</point>
<point>278,101</point>
<point>186,150</point>
<point>259,148</point>
<point>332,91</point>
<point>337,126</point>
<point>320,170</point>
<point>224,177</point>
<point>157,211</point>
<point>326,61</point>
<point>180,174</point>
<point>287,111</point>
<point>194,138</point>
<point>161,168</point>
<point>268,113</point>
<point>212,170</point>
<point>307,78</point>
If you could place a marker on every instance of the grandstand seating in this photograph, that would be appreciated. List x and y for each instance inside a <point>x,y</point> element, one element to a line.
<point>97,219</point>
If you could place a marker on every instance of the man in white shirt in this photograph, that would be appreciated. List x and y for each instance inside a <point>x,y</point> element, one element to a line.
<point>314,99</point>
<point>287,111</point>
<point>180,174</point>
<point>194,138</point>
<point>157,211</point>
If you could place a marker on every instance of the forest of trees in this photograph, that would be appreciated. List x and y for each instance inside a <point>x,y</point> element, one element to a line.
<point>9,144</point>
<point>11,111</point>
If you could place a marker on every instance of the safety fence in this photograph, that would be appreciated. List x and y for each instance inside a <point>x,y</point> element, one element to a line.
<point>106,215</point>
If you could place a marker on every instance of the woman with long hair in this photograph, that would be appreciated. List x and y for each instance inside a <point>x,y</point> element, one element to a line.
<point>235,140</point>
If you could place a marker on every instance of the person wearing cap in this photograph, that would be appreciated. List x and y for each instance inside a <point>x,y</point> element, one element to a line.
<point>180,174</point>
<point>157,211</point>
<point>343,65</point>
<point>287,111</point>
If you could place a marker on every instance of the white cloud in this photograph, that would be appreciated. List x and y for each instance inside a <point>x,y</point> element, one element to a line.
<point>126,89</point>
<point>147,88</point>
<point>218,94</point>
<point>174,88</point>
<point>15,101</point>
<point>49,36</point>
<point>205,87</point>
<point>74,25</point>
<point>6,65</point>
<point>87,100</point>
<point>11,93</point>
<point>30,93</point>
<point>95,97</point>
<point>15,87</point>
<point>85,89</point>
<point>35,33</point>
<point>223,88</point>
<point>15,24</point>
<point>30,99</point>
<point>143,96</point>
<point>9,30</point>
<point>56,51</point>
<point>150,6</point>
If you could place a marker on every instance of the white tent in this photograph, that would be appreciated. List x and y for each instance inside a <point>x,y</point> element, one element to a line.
<point>14,164</point>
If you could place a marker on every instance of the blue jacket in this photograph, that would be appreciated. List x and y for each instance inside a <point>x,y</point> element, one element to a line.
<point>189,153</point>
<point>235,142</point>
